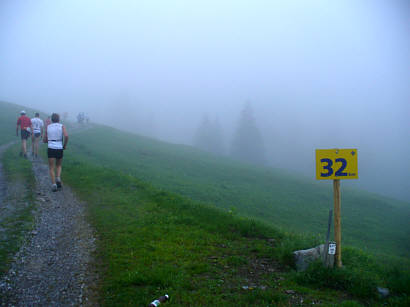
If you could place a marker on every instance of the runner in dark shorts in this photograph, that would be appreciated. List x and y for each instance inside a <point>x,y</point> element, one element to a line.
<point>25,134</point>
<point>24,123</point>
<point>56,136</point>
<point>55,153</point>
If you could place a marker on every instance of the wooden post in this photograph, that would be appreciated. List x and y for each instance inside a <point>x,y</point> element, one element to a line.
<point>338,231</point>
<point>329,224</point>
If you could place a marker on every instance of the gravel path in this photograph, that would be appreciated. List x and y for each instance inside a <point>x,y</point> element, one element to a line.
<point>53,267</point>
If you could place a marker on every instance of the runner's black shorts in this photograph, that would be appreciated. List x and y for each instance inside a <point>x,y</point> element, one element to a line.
<point>55,153</point>
<point>25,134</point>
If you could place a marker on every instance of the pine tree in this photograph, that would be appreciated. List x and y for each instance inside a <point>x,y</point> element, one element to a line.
<point>202,135</point>
<point>208,136</point>
<point>217,139</point>
<point>247,144</point>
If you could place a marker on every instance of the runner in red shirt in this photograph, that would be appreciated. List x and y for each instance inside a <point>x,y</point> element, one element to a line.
<point>25,126</point>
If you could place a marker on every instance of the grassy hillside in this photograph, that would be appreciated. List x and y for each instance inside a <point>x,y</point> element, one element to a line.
<point>369,221</point>
<point>152,242</point>
<point>160,229</point>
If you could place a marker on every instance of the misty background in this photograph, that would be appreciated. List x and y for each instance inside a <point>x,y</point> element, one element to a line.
<point>316,74</point>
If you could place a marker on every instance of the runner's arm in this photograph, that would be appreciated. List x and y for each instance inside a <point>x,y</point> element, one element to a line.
<point>65,137</point>
<point>17,127</point>
<point>45,138</point>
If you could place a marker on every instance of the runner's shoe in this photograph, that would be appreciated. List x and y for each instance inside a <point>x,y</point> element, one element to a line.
<point>54,188</point>
<point>59,185</point>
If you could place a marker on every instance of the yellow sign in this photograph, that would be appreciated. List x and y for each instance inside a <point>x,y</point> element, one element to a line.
<point>336,164</point>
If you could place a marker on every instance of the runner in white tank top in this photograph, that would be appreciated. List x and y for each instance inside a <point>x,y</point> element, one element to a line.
<point>37,125</point>
<point>56,136</point>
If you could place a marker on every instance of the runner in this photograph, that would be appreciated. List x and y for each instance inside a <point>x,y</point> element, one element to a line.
<point>55,135</point>
<point>48,121</point>
<point>37,125</point>
<point>25,126</point>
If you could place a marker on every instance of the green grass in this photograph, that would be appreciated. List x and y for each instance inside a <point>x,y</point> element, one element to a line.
<point>171,219</point>
<point>153,242</point>
<point>204,179</point>
<point>16,219</point>
<point>369,221</point>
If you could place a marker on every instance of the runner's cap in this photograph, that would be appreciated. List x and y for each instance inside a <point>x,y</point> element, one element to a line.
<point>23,112</point>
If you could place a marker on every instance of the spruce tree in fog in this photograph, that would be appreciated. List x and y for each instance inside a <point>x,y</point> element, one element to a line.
<point>202,135</point>
<point>247,143</point>
<point>208,137</point>
<point>217,144</point>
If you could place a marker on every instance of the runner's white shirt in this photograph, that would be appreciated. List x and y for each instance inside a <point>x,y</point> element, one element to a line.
<point>55,136</point>
<point>37,123</point>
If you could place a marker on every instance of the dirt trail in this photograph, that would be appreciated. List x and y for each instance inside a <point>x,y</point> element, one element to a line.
<point>53,267</point>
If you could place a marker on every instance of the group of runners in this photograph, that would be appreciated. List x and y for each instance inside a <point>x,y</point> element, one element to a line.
<point>53,133</point>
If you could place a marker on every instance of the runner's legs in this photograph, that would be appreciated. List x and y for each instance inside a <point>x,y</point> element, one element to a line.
<point>59,167</point>
<point>51,162</point>
<point>32,143</point>
<point>24,146</point>
<point>35,145</point>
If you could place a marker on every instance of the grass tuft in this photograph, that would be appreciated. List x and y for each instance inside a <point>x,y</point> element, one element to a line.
<point>16,213</point>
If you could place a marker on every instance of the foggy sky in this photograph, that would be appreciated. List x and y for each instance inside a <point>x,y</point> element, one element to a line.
<point>319,74</point>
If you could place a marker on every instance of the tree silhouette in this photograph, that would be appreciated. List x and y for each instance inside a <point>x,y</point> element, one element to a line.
<point>208,136</point>
<point>217,140</point>
<point>247,144</point>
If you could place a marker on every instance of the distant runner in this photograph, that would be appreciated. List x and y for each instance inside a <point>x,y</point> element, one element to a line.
<point>37,124</point>
<point>55,135</point>
<point>48,122</point>
<point>25,126</point>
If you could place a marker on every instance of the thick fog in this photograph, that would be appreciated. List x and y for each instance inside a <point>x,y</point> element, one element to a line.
<point>317,74</point>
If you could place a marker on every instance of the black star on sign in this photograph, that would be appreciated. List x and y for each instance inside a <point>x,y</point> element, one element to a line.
<point>353,153</point>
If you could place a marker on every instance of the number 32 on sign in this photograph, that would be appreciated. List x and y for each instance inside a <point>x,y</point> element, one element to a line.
<point>336,164</point>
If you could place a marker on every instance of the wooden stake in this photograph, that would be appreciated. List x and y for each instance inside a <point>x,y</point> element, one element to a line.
<point>329,224</point>
<point>338,228</point>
